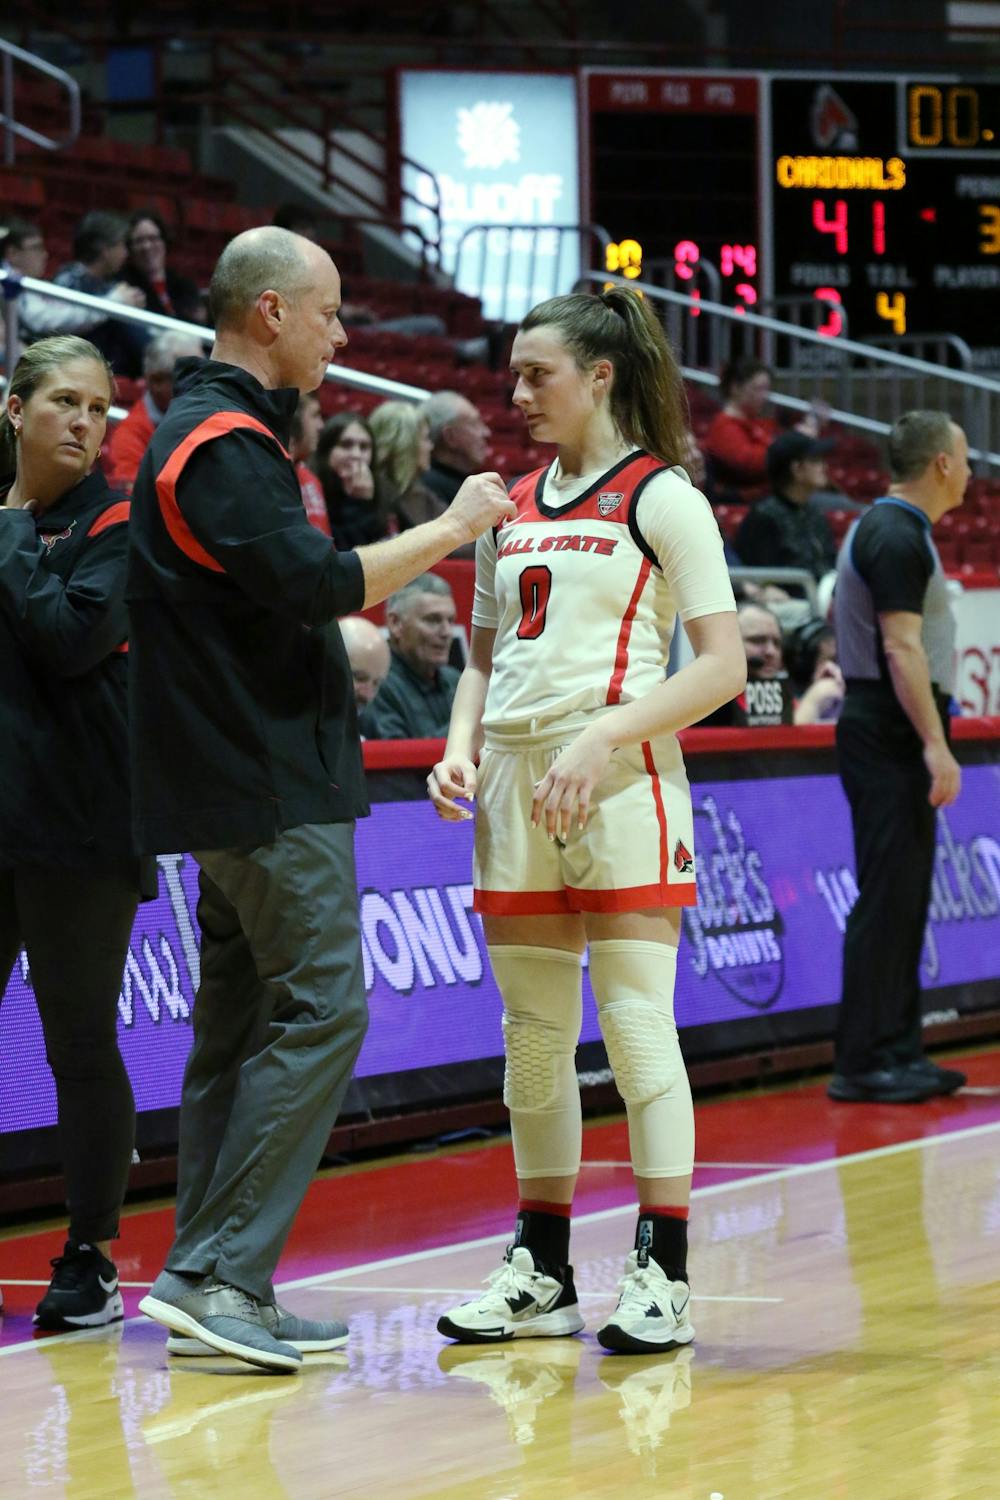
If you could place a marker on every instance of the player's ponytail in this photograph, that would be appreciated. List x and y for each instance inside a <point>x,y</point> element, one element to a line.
<point>648,401</point>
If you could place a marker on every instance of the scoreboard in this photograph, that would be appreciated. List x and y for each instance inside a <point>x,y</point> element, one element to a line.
<point>878,193</point>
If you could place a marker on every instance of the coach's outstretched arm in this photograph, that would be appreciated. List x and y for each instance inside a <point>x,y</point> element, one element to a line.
<point>481,503</point>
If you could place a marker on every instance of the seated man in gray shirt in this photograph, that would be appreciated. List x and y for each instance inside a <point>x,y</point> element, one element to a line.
<point>414,701</point>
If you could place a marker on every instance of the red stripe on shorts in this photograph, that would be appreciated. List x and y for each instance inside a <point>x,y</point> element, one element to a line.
<point>661,817</point>
<point>520,903</point>
<point>621,653</point>
<point>633,897</point>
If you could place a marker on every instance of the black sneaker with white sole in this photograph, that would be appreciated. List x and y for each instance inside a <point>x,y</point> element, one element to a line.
<point>523,1299</point>
<point>83,1292</point>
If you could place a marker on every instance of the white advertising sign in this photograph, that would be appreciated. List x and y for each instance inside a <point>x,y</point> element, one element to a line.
<point>503,148</point>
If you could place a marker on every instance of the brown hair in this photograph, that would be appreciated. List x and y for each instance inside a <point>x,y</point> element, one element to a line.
<point>35,363</point>
<point>648,400</point>
<point>915,441</point>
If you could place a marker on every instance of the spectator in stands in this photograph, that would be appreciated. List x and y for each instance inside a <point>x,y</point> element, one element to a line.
<point>166,291</point>
<point>368,654</point>
<point>786,530</point>
<point>764,645</point>
<point>99,252</point>
<point>343,463</point>
<point>23,249</point>
<point>896,634</point>
<point>307,424</point>
<point>131,437</point>
<point>69,881</point>
<point>459,442</point>
<point>403,445</point>
<point>414,702</point>
<point>740,434</point>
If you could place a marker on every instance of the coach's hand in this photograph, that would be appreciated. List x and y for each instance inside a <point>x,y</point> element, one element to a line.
<point>451,778</point>
<point>481,503</point>
<point>565,790</point>
<point>945,773</point>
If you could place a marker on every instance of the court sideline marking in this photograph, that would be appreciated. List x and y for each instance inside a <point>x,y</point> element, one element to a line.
<point>798,1169</point>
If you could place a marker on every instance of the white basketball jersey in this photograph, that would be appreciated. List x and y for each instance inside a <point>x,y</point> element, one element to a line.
<point>584,605</point>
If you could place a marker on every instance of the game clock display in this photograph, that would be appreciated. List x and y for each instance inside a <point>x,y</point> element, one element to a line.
<point>885,196</point>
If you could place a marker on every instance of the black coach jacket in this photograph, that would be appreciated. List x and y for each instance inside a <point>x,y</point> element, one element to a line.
<point>242,717</point>
<point>64,784</point>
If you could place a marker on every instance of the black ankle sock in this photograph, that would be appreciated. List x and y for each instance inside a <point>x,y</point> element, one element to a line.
<point>545,1235</point>
<point>664,1237</point>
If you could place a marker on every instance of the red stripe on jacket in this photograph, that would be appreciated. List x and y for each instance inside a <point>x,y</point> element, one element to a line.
<point>218,425</point>
<point>113,516</point>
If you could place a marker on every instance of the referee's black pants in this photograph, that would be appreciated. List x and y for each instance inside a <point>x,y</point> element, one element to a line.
<point>75,928</point>
<point>883,773</point>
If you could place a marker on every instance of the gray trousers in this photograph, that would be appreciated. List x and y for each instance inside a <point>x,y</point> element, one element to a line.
<point>278,1023</point>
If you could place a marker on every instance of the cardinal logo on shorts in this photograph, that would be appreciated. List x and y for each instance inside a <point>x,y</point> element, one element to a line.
<point>683,859</point>
<point>609,500</point>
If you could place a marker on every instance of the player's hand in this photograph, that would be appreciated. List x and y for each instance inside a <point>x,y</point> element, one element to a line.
<point>481,503</point>
<point>945,773</point>
<point>564,792</point>
<point>451,778</point>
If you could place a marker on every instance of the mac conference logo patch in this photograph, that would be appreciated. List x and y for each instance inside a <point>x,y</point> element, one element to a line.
<point>609,500</point>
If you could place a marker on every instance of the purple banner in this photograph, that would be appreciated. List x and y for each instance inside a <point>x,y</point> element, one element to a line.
<point>775,883</point>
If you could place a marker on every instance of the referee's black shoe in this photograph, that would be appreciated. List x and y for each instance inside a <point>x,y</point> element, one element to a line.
<point>901,1085</point>
<point>83,1292</point>
<point>945,1080</point>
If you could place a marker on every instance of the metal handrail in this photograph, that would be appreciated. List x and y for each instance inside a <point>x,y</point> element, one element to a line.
<point>532,233</point>
<point>11,286</point>
<point>13,131</point>
<point>772,325</point>
<point>963,379</point>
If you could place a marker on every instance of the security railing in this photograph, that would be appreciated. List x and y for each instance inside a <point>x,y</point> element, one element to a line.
<point>15,130</point>
<point>877,383</point>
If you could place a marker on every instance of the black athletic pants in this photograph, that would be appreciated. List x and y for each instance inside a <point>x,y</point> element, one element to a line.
<point>882,770</point>
<point>76,928</point>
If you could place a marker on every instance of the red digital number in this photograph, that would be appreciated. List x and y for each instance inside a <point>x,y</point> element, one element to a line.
<point>686,258</point>
<point>834,321</point>
<point>748,294</point>
<point>535,586</point>
<point>736,258</point>
<point>878,227</point>
<point>837,226</point>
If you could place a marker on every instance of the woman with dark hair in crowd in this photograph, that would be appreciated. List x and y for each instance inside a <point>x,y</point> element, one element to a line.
<point>344,462</point>
<point>69,882</point>
<point>740,434</point>
<point>584,823</point>
<point>166,291</point>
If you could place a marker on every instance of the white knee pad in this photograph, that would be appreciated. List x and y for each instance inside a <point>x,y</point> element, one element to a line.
<point>633,984</point>
<point>541,989</point>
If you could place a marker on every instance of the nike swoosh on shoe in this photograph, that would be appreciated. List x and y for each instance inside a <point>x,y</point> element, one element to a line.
<point>107,1287</point>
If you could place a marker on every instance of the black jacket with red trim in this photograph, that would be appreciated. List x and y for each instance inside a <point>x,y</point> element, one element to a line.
<point>64,780</point>
<point>242,711</point>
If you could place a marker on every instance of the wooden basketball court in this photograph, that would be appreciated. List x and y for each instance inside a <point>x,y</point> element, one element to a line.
<point>846,1267</point>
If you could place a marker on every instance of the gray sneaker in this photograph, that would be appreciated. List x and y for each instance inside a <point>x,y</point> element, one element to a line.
<point>307,1335</point>
<point>225,1318</point>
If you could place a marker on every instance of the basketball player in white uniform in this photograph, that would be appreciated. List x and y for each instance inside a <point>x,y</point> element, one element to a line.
<point>584,825</point>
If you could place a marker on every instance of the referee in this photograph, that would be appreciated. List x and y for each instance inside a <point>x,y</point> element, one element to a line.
<point>895,639</point>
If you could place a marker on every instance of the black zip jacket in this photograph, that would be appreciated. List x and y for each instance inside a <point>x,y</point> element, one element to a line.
<point>64,798</point>
<point>242,712</point>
